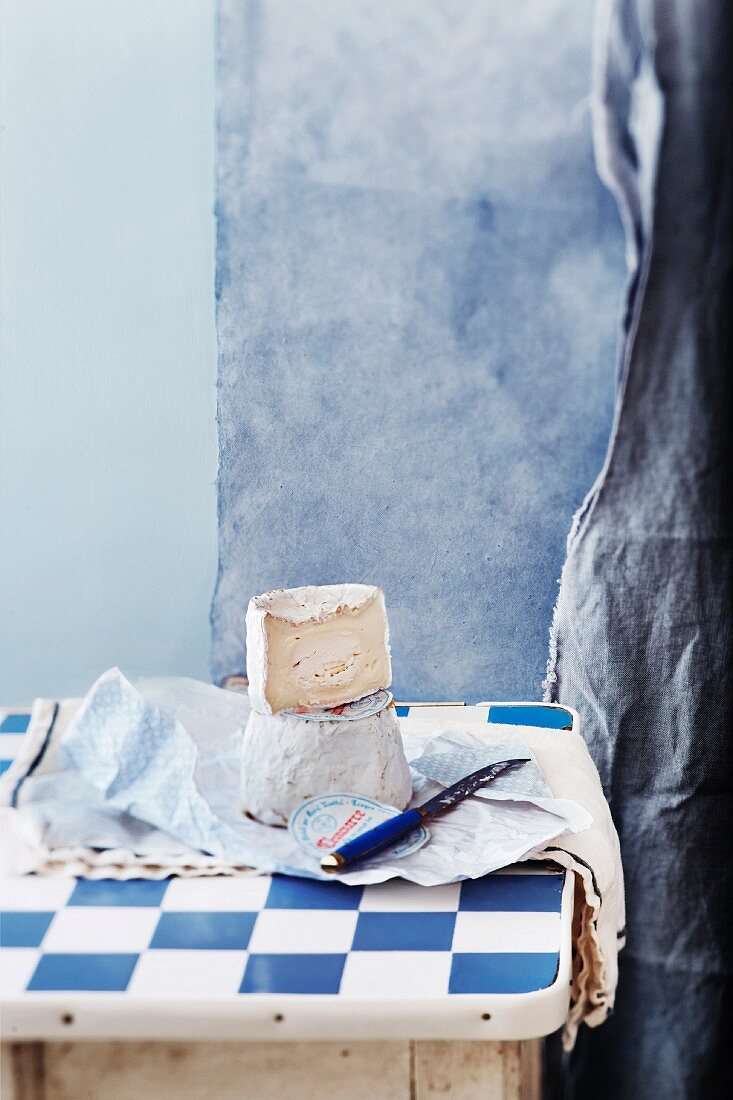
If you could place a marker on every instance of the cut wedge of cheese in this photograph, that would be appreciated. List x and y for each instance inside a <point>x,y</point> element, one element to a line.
<point>286,760</point>
<point>317,646</point>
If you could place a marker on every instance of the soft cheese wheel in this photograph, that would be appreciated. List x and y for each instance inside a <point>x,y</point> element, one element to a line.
<point>317,646</point>
<point>286,760</point>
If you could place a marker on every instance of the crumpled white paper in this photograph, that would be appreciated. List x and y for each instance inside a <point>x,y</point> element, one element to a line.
<point>155,768</point>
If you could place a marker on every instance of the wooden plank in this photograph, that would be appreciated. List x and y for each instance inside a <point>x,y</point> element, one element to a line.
<point>469,1070</point>
<point>23,1075</point>
<point>531,1061</point>
<point>272,1071</point>
<point>477,1070</point>
<point>7,1073</point>
<point>227,1071</point>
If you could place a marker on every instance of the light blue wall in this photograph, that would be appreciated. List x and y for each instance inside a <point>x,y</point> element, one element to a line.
<point>108,528</point>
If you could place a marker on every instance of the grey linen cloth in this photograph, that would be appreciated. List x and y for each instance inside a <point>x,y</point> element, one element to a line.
<point>641,643</point>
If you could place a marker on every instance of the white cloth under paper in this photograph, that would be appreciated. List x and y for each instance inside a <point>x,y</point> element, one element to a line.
<point>130,773</point>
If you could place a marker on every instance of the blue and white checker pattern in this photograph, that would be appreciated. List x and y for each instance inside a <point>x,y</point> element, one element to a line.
<point>234,936</point>
<point>229,937</point>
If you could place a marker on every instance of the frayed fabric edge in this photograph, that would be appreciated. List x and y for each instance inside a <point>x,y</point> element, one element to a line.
<point>637,218</point>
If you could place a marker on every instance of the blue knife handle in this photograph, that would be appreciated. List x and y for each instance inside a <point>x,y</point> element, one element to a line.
<point>381,836</point>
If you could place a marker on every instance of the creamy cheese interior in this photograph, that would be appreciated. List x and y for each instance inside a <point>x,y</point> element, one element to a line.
<point>325,661</point>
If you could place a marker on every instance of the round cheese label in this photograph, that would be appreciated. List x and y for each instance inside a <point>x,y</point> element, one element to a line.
<point>325,823</point>
<point>347,712</point>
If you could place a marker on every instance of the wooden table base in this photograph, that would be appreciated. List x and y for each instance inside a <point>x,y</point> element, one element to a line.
<point>272,1071</point>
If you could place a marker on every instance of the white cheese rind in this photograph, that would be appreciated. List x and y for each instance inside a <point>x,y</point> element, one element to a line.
<point>286,760</point>
<point>316,646</point>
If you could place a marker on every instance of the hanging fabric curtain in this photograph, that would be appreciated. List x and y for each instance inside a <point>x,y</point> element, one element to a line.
<point>641,641</point>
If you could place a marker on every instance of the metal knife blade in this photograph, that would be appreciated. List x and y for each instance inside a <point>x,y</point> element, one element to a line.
<point>385,834</point>
<point>466,786</point>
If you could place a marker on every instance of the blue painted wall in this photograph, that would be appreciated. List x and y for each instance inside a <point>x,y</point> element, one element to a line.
<point>108,448</point>
<point>420,278</point>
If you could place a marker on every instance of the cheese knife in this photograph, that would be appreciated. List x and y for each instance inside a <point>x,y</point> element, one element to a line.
<point>382,836</point>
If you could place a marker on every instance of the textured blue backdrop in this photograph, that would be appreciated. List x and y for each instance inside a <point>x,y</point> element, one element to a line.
<point>419,284</point>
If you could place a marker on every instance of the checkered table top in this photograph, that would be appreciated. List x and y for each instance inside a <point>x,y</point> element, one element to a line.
<point>500,944</point>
